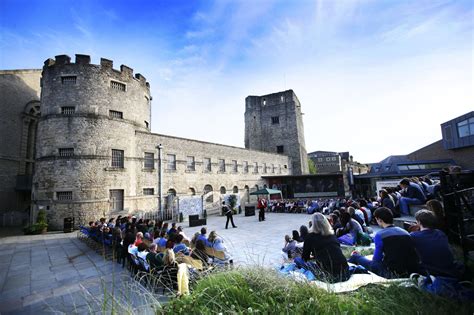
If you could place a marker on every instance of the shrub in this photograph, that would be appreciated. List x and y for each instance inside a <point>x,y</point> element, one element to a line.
<point>40,225</point>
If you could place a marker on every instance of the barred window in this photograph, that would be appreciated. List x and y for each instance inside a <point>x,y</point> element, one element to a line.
<point>171,158</point>
<point>275,120</point>
<point>246,167</point>
<point>190,164</point>
<point>68,110</point>
<point>117,158</point>
<point>255,167</point>
<point>221,165</point>
<point>65,152</point>
<point>148,191</point>
<point>207,164</point>
<point>280,149</point>
<point>149,161</point>
<point>264,168</point>
<point>234,166</point>
<point>117,86</point>
<point>115,114</point>
<point>64,195</point>
<point>70,79</point>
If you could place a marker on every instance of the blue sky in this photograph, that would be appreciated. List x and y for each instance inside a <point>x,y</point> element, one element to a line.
<point>374,77</point>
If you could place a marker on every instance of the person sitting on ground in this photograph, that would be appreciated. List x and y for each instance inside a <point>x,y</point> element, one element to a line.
<point>412,195</point>
<point>199,252</point>
<point>387,201</point>
<point>349,231</point>
<point>138,238</point>
<point>195,239</point>
<point>290,247</point>
<point>395,254</point>
<point>173,229</point>
<point>154,259</point>
<point>322,253</point>
<point>217,244</point>
<point>432,246</point>
<point>303,232</point>
<point>437,209</point>
<point>296,236</point>
<point>179,247</point>
<point>334,221</point>
<point>181,232</point>
<point>203,237</point>
<point>356,214</point>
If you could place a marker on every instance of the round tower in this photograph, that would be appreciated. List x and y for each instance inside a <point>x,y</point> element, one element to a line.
<point>86,150</point>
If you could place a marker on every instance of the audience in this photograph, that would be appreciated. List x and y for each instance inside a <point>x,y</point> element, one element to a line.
<point>154,259</point>
<point>412,194</point>
<point>290,248</point>
<point>199,252</point>
<point>349,231</point>
<point>179,247</point>
<point>203,237</point>
<point>322,253</point>
<point>395,254</point>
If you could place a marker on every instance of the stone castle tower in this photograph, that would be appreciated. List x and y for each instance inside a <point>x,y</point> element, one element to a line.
<point>274,123</point>
<point>86,136</point>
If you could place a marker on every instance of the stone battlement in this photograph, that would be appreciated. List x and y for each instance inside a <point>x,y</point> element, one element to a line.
<point>105,64</point>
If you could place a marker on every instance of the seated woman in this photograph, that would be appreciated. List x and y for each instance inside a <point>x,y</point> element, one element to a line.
<point>199,252</point>
<point>303,232</point>
<point>322,252</point>
<point>350,229</point>
<point>179,247</point>
<point>169,274</point>
<point>217,244</point>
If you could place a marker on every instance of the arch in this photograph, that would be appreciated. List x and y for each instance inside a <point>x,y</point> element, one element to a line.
<point>247,192</point>
<point>207,192</point>
<point>235,190</point>
<point>191,191</point>
<point>207,189</point>
<point>265,186</point>
<point>171,192</point>
<point>256,187</point>
<point>223,190</point>
<point>33,108</point>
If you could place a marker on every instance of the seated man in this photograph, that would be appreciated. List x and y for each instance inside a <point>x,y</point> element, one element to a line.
<point>432,246</point>
<point>412,195</point>
<point>179,247</point>
<point>203,237</point>
<point>154,259</point>
<point>395,254</point>
<point>161,240</point>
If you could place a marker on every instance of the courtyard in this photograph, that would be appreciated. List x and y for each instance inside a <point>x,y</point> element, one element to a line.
<point>57,273</point>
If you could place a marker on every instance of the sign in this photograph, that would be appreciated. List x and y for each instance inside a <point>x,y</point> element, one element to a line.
<point>381,184</point>
<point>316,194</point>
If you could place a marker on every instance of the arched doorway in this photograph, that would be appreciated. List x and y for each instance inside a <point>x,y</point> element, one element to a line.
<point>191,191</point>
<point>207,193</point>
<point>247,192</point>
<point>223,190</point>
<point>235,190</point>
<point>171,205</point>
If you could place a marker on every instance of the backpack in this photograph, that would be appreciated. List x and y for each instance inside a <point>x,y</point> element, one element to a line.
<point>447,287</point>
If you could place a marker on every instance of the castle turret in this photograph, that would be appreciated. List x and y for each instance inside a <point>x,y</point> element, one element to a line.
<point>86,137</point>
<point>274,123</point>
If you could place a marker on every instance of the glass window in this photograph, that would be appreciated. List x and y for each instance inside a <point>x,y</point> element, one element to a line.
<point>116,199</point>
<point>207,164</point>
<point>190,164</point>
<point>466,127</point>
<point>280,149</point>
<point>255,167</point>
<point>148,191</point>
<point>221,165</point>
<point>117,158</point>
<point>149,162</point>
<point>246,167</point>
<point>403,167</point>
<point>234,166</point>
<point>171,158</point>
<point>264,168</point>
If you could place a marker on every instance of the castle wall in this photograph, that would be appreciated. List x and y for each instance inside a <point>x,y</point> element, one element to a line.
<point>19,91</point>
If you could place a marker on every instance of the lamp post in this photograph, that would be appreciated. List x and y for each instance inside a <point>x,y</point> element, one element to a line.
<point>160,179</point>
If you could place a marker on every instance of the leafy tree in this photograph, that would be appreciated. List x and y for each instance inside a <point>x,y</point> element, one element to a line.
<point>312,167</point>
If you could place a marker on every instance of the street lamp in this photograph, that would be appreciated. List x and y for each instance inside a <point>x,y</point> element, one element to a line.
<point>160,179</point>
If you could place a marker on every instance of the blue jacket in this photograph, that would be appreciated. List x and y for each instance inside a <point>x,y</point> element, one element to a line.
<point>415,191</point>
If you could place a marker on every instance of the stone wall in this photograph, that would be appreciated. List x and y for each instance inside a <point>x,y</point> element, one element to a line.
<point>19,104</point>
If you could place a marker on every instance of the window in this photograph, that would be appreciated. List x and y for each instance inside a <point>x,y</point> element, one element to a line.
<point>68,110</point>
<point>190,164</point>
<point>320,159</point>
<point>466,127</point>
<point>333,158</point>
<point>273,168</point>
<point>148,191</point>
<point>117,86</point>
<point>246,167</point>
<point>64,195</point>
<point>328,159</point>
<point>117,158</point>
<point>280,149</point>
<point>275,120</point>
<point>279,168</point>
<point>264,168</point>
<point>115,114</point>
<point>207,164</point>
<point>171,158</point>
<point>147,125</point>
<point>65,152</point>
<point>221,165</point>
<point>234,166</point>
<point>70,79</point>
<point>255,167</point>
<point>264,102</point>
<point>116,199</point>
<point>149,161</point>
<point>282,99</point>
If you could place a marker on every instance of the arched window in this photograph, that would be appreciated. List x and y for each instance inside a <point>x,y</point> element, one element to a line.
<point>171,192</point>
<point>30,122</point>
<point>223,190</point>
<point>235,190</point>
<point>208,195</point>
<point>247,191</point>
<point>191,191</point>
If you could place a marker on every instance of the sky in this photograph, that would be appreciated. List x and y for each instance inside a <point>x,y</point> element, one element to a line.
<point>375,78</point>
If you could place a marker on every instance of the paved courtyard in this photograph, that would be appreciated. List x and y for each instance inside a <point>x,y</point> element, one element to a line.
<point>57,273</point>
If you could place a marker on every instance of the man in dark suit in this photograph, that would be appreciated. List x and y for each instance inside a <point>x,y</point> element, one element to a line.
<point>229,214</point>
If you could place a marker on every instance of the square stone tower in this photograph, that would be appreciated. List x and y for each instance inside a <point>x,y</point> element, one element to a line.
<point>274,123</point>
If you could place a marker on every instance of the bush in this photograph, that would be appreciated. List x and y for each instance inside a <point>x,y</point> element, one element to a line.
<point>258,290</point>
<point>40,226</point>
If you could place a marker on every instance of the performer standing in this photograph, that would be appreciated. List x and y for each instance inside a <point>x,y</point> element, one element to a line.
<point>229,214</point>
<point>262,204</point>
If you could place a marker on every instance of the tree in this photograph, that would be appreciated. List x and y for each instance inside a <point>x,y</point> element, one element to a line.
<point>312,167</point>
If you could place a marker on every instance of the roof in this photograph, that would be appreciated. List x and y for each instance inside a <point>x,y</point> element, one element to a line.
<point>266,191</point>
<point>400,166</point>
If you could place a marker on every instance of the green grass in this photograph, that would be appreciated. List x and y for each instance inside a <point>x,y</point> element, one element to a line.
<point>263,291</point>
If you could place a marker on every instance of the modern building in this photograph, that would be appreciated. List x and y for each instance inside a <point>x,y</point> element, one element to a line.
<point>84,149</point>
